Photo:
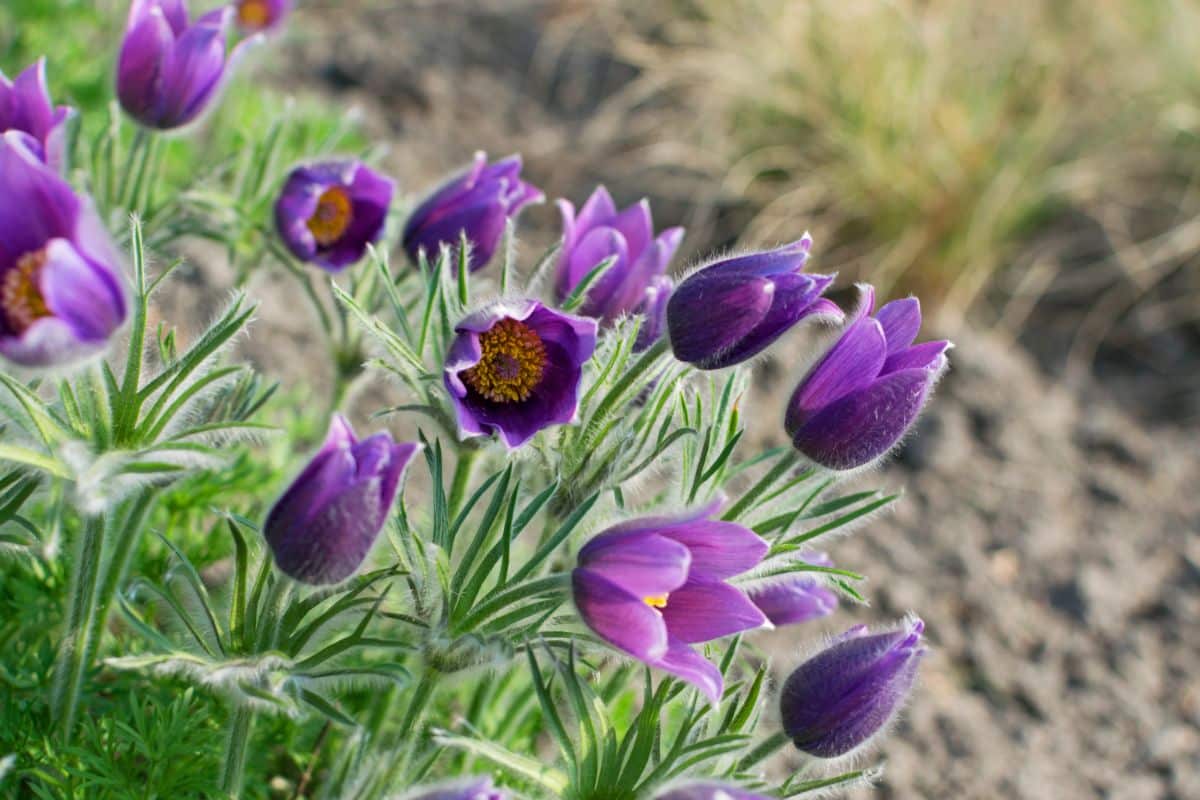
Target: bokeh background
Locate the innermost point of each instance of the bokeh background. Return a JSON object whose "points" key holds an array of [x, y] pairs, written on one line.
{"points": [[1028, 168]]}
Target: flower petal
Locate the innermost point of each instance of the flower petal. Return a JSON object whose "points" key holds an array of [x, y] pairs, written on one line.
{"points": [[901, 321], [851, 364], [719, 549], [684, 662], [619, 618], [644, 564], [701, 611]]}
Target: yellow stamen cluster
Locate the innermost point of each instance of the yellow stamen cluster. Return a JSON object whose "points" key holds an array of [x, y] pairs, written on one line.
{"points": [[656, 600], [333, 216], [21, 300], [512, 363], [254, 14]]}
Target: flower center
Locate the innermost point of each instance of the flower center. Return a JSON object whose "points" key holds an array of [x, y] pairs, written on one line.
{"points": [[333, 216], [21, 301], [656, 600], [254, 14], [512, 363]]}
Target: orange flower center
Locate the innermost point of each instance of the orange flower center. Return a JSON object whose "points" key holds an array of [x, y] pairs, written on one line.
{"points": [[512, 363], [656, 600], [254, 14], [21, 300], [333, 216]]}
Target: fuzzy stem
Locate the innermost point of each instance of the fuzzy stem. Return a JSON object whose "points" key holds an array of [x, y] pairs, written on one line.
{"points": [[463, 470], [75, 649], [116, 565], [233, 771]]}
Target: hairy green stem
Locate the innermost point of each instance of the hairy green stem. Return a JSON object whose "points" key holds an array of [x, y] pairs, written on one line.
{"points": [[463, 470], [75, 649], [233, 769]]}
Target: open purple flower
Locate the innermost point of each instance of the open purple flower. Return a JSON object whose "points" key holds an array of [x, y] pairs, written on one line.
{"points": [[653, 587], [514, 369], [840, 698], [865, 393], [479, 203], [329, 212], [709, 791], [471, 789], [170, 68], [323, 526], [25, 106], [797, 597], [255, 16], [600, 232], [61, 293], [735, 308]]}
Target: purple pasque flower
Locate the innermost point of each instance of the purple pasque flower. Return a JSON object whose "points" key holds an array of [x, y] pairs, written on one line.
{"points": [[321, 529], [256, 16], [865, 393], [840, 698], [653, 587], [478, 202], [796, 597], [653, 311], [600, 232], [327, 213], [734, 308], [170, 68], [470, 789], [25, 106], [61, 293], [514, 369], [709, 791]]}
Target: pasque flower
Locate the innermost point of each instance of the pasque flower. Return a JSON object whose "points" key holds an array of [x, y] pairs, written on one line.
{"points": [[254, 16], [329, 212], [734, 308], [653, 587], [861, 397], [479, 203], [709, 791], [323, 526], [840, 698], [170, 68], [471, 789], [61, 294], [514, 369], [601, 232], [25, 106], [797, 597]]}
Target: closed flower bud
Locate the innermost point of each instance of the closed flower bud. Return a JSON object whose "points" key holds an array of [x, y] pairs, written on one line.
{"points": [[734, 308], [61, 293], [600, 232], [865, 393], [471, 789], [323, 526], [329, 212], [477, 203], [708, 791], [170, 68], [514, 369], [842, 697], [797, 597], [254, 16], [25, 106], [653, 587]]}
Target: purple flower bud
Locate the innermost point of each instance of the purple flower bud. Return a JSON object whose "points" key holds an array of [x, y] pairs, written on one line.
{"points": [[329, 212], [600, 232], [709, 791], [653, 310], [865, 393], [25, 106], [323, 526], [170, 68], [61, 293], [797, 597], [653, 587], [839, 699], [478, 202], [256, 16], [735, 308], [514, 369], [471, 789]]}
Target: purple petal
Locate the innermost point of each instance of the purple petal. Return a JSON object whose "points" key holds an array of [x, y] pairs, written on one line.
{"points": [[470, 789], [684, 662], [709, 791], [87, 297], [36, 205], [901, 321], [719, 549], [784, 260], [850, 365], [793, 600], [193, 69], [643, 564], [927, 355], [140, 68], [636, 225], [795, 299], [598, 210], [592, 248], [701, 611], [619, 618], [708, 316]]}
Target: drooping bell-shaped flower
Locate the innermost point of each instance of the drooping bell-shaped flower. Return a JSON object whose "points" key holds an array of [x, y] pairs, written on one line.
{"points": [[734, 308], [478, 202], [515, 368], [170, 67], [470, 789], [708, 791], [257, 16], [323, 526], [840, 698], [654, 587], [600, 232], [25, 106], [796, 597], [61, 292], [861, 397], [329, 212]]}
